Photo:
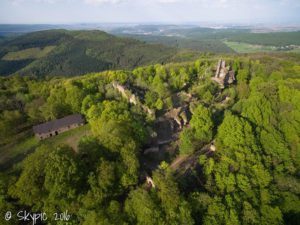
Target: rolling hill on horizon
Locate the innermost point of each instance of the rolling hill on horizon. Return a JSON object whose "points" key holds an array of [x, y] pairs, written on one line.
{"points": [[216, 40], [62, 52]]}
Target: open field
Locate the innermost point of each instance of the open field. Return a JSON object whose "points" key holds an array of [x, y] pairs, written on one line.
{"points": [[248, 48], [71, 137], [296, 50], [241, 47], [15, 153]]}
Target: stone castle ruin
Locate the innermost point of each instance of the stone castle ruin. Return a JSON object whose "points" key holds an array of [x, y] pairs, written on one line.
{"points": [[132, 98], [224, 75], [178, 115]]}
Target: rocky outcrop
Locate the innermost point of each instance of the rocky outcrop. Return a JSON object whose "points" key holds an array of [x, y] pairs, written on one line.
{"points": [[224, 75], [150, 182], [132, 98], [178, 115]]}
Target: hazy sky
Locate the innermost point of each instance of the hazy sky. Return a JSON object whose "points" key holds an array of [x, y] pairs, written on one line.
{"points": [[174, 11]]}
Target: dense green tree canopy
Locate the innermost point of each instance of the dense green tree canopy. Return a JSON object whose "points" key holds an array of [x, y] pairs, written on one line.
{"points": [[235, 159]]}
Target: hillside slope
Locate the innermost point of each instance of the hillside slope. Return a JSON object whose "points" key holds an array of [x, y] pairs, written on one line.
{"points": [[61, 52], [161, 140]]}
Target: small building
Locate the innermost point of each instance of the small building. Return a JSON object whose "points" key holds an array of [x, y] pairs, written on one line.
{"points": [[55, 127]]}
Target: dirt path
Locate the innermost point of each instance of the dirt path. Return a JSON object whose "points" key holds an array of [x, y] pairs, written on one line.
{"points": [[177, 162], [185, 162]]}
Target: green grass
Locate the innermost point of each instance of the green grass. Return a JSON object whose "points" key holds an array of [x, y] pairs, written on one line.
{"points": [[12, 154], [70, 137], [248, 48], [29, 53], [296, 50], [241, 47]]}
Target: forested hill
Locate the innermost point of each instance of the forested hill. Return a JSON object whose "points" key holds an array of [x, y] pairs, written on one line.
{"points": [[217, 155], [62, 52]]}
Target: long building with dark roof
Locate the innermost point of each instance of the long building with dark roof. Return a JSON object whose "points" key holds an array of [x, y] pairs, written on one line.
{"points": [[55, 127]]}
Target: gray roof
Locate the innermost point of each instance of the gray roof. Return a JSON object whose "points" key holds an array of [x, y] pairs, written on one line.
{"points": [[57, 124]]}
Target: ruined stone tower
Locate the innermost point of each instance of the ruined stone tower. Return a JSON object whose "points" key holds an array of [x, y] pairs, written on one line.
{"points": [[224, 75]]}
